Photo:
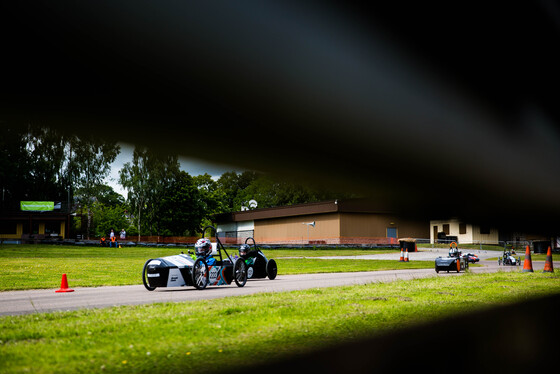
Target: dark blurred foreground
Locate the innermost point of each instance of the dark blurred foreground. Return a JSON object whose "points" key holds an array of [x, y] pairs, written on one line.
{"points": [[437, 110], [518, 338]]}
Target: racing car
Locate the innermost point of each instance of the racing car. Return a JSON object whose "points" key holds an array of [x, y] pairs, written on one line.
{"points": [[471, 257], [508, 259], [454, 262], [258, 266], [209, 265]]}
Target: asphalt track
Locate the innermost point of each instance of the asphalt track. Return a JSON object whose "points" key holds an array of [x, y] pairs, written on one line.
{"points": [[41, 301]]}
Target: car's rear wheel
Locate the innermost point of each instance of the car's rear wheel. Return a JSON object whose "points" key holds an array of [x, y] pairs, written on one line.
{"points": [[437, 269], [144, 280], [271, 269], [240, 273], [200, 274]]}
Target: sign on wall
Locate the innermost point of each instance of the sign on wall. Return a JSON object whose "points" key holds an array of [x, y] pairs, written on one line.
{"points": [[37, 206]]}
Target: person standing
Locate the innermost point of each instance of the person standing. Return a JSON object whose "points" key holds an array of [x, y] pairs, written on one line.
{"points": [[112, 239], [123, 234]]}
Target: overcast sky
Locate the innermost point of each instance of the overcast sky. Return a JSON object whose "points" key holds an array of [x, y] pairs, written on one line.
{"points": [[191, 166]]}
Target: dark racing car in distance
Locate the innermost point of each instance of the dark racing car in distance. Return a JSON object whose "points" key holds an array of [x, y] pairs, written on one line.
{"points": [[210, 265], [471, 257], [258, 266]]}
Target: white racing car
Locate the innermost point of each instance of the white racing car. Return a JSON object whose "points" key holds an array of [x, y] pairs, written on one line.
{"points": [[210, 265]]}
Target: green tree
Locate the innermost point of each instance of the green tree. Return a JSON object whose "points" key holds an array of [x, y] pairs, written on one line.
{"points": [[146, 180], [213, 199], [109, 217], [41, 163], [88, 163], [14, 165], [181, 209], [232, 186], [269, 191]]}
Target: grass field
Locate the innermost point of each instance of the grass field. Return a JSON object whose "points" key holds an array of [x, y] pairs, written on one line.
{"points": [[211, 335], [41, 266]]}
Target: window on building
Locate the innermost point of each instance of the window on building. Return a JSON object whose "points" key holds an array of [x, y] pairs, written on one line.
{"points": [[462, 228], [392, 232], [446, 228], [52, 228], [8, 228]]}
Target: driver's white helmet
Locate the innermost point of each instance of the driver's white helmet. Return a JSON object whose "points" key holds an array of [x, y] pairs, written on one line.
{"points": [[453, 252], [203, 247]]}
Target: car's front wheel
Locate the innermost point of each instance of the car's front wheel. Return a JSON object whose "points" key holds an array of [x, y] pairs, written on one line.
{"points": [[144, 280], [240, 273], [200, 274]]}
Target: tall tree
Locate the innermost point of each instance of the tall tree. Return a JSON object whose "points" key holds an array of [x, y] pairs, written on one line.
{"points": [[232, 185], [14, 165], [88, 163], [213, 199], [146, 179], [181, 209], [45, 164], [270, 191]]}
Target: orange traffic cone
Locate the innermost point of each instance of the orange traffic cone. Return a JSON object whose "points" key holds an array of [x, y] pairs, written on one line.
{"points": [[548, 268], [401, 259], [415, 247], [64, 285], [406, 256], [528, 264]]}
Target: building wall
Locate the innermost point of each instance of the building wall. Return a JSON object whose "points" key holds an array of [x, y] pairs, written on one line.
{"points": [[15, 229], [472, 234], [491, 238], [366, 225], [376, 225], [294, 229], [330, 228]]}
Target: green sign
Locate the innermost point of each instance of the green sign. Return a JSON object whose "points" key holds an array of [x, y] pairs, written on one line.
{"points": [[37, 206]]}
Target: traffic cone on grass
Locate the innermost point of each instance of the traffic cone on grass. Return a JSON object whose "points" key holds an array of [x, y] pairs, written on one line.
{"points": [[548, 268], [64, 285], [401, 259], [406, 256], [528, 264]]}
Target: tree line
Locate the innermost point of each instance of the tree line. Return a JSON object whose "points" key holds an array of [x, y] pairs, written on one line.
{"points": [[39, 163]]}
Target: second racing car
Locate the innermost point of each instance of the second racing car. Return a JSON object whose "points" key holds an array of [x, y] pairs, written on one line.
{"points": [[258, 266]]}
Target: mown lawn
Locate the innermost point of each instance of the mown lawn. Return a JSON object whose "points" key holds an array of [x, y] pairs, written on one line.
{"points": [[213, 335], [41, 266]]}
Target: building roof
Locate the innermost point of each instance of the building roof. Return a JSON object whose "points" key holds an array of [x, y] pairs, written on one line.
{"points": [[330, 206]]}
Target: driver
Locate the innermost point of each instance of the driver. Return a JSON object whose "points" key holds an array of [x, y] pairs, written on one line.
{"points": [[203, 248], [453, 252], [243, 250]]}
